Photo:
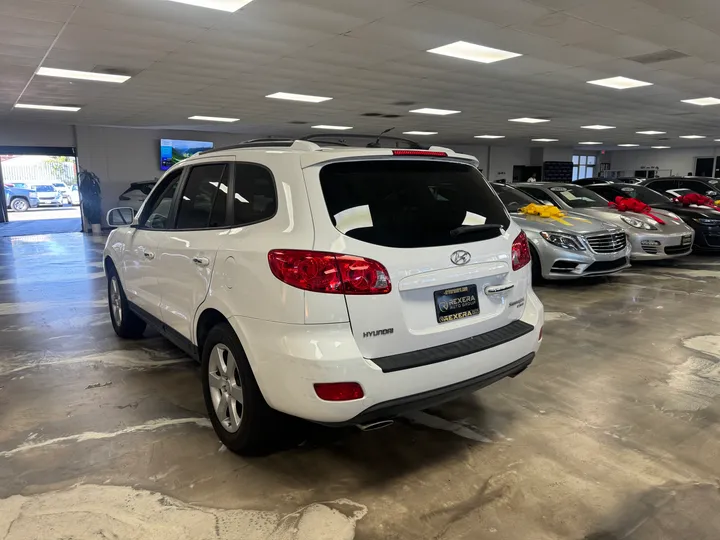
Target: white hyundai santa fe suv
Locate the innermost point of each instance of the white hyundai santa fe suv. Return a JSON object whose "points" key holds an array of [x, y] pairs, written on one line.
{"points": [[342, 285]]}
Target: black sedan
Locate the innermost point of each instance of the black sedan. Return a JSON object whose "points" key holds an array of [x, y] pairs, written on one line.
{"points": [[705, 221]]}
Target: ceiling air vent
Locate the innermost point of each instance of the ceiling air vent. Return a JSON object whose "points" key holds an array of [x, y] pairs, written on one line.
{"points": [[657, 57]]}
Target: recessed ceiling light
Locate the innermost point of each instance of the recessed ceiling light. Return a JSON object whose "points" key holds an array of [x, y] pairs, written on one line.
{"points": [[590, 142], [338, 128], [437, 112], [598, 126], [223, 5], [83, 75], [489, 136], [420, 132], [660, 147], [213, 119], [692, 136], [473, 52], [46, 107], [628, 145], [703, 102], [544, 140], [298, 97], [620, 83], [529, 120], [651, 132]]}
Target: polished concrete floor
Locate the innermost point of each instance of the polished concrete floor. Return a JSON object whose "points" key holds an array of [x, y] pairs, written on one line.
{"points": [[613, 433]]}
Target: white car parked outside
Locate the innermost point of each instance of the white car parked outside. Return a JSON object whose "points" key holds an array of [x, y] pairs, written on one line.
{"points": [[336, 284]]}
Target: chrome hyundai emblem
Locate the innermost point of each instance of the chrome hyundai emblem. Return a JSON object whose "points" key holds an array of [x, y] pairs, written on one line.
{"points": [[460, 257]]}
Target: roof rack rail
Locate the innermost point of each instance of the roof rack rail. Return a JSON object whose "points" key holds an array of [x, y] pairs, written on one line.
{"points": [[339, 140], [253, 143]]}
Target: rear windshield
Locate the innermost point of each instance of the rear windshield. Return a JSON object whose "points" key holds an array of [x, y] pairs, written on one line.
{"points": [[411, 203]]}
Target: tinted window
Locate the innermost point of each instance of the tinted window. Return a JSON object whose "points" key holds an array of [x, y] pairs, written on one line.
{"points": [[44, 189], [641, 193], [662, 185], [204, 198], [410, 204], [158, 211], [697, 187], [254, 198], [512, 198], [145, 188]]}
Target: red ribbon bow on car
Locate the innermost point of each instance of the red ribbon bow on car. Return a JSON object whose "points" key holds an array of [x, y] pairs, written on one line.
{"points": [[628, 204], [696, 198]]}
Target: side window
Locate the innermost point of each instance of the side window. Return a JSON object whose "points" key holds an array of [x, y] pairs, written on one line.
{"points": [[204, 199], [254, 197], [158, 210]]}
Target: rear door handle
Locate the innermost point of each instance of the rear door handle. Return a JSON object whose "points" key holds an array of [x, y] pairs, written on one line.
{"points": [[201, 261], [498, 289], [149, 255]]}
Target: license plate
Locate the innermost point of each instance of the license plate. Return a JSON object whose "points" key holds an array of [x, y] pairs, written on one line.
{"points": [[456, 303], [686, 240]]}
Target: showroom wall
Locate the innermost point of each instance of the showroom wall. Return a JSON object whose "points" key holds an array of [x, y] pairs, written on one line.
{"points": [[680, 160]]}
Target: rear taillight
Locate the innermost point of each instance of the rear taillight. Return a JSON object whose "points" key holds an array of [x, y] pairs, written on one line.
{"points": [[520, 252], [344, 391], [419, 153], [318, 271]]}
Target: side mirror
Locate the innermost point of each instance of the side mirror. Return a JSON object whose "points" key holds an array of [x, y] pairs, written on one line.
{"points": [[119, 217]]}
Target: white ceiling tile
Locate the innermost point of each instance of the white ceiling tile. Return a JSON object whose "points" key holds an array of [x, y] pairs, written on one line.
{"points": [[563, 28]]}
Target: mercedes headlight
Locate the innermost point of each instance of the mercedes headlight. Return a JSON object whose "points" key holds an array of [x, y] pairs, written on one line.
{"points": [[708, 222], [565, 241], [638, 224]]}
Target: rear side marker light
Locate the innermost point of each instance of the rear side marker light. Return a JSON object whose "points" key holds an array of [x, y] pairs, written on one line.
{"points": [[344, 391], [419, 153], [520, 252], [332, 273]]}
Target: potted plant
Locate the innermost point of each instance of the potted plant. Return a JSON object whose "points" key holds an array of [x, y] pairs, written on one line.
{"points": [[89, 186]]}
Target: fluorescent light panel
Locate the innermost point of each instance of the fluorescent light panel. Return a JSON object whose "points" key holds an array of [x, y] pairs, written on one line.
{"points": [[529, 120], [213, 119], [590, 142], [598, 126], [298, 97], [628, 145], [420, 132], [338, 128], [651, 132], [660, 147], [46, 107], [473, 52], [489, 136], [82, 75], [436, 112], [703, 102], [230, 6], [544, 140], [620, 83], [692, 136]]}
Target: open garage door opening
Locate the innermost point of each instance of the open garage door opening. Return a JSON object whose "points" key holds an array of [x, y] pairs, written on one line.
{"points": [[40, 194]]}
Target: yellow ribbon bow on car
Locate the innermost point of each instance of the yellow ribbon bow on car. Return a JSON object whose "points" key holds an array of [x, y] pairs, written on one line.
{"points": [[549, 211]]}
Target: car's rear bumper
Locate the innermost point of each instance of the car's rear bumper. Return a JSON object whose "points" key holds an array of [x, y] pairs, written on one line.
{"points": [[288, 359]]}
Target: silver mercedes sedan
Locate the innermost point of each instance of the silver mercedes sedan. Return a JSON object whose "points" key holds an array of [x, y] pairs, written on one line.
{"points": [[569, 246], [649, 239]]}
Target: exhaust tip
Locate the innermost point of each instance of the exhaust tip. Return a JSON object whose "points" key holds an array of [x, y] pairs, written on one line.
{"points": [[374, 426]]}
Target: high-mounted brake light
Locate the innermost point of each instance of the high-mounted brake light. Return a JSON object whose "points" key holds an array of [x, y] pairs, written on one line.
{"points": [[333, 273], [419, 153], [520, 252]]}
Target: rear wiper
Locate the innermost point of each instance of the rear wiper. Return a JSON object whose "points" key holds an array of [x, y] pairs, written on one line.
{"points": [[465, 229]]}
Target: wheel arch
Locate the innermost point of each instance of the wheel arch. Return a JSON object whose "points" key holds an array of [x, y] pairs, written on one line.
{"points": [[209, 318]]}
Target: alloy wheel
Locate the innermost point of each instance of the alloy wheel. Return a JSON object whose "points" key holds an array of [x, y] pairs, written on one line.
{"points": [[19, 205], [225, 387], [116, 301]]}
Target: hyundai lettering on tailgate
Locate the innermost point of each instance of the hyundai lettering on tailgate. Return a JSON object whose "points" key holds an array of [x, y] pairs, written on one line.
{"points": [[457, 303]]}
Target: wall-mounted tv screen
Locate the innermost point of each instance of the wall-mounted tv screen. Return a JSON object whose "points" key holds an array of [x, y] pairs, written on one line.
{"points": [[173, 151]]}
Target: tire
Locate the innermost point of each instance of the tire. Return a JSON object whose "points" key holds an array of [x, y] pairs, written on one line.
{"points": [[242, 419], [126, 324], [19, 204]]}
